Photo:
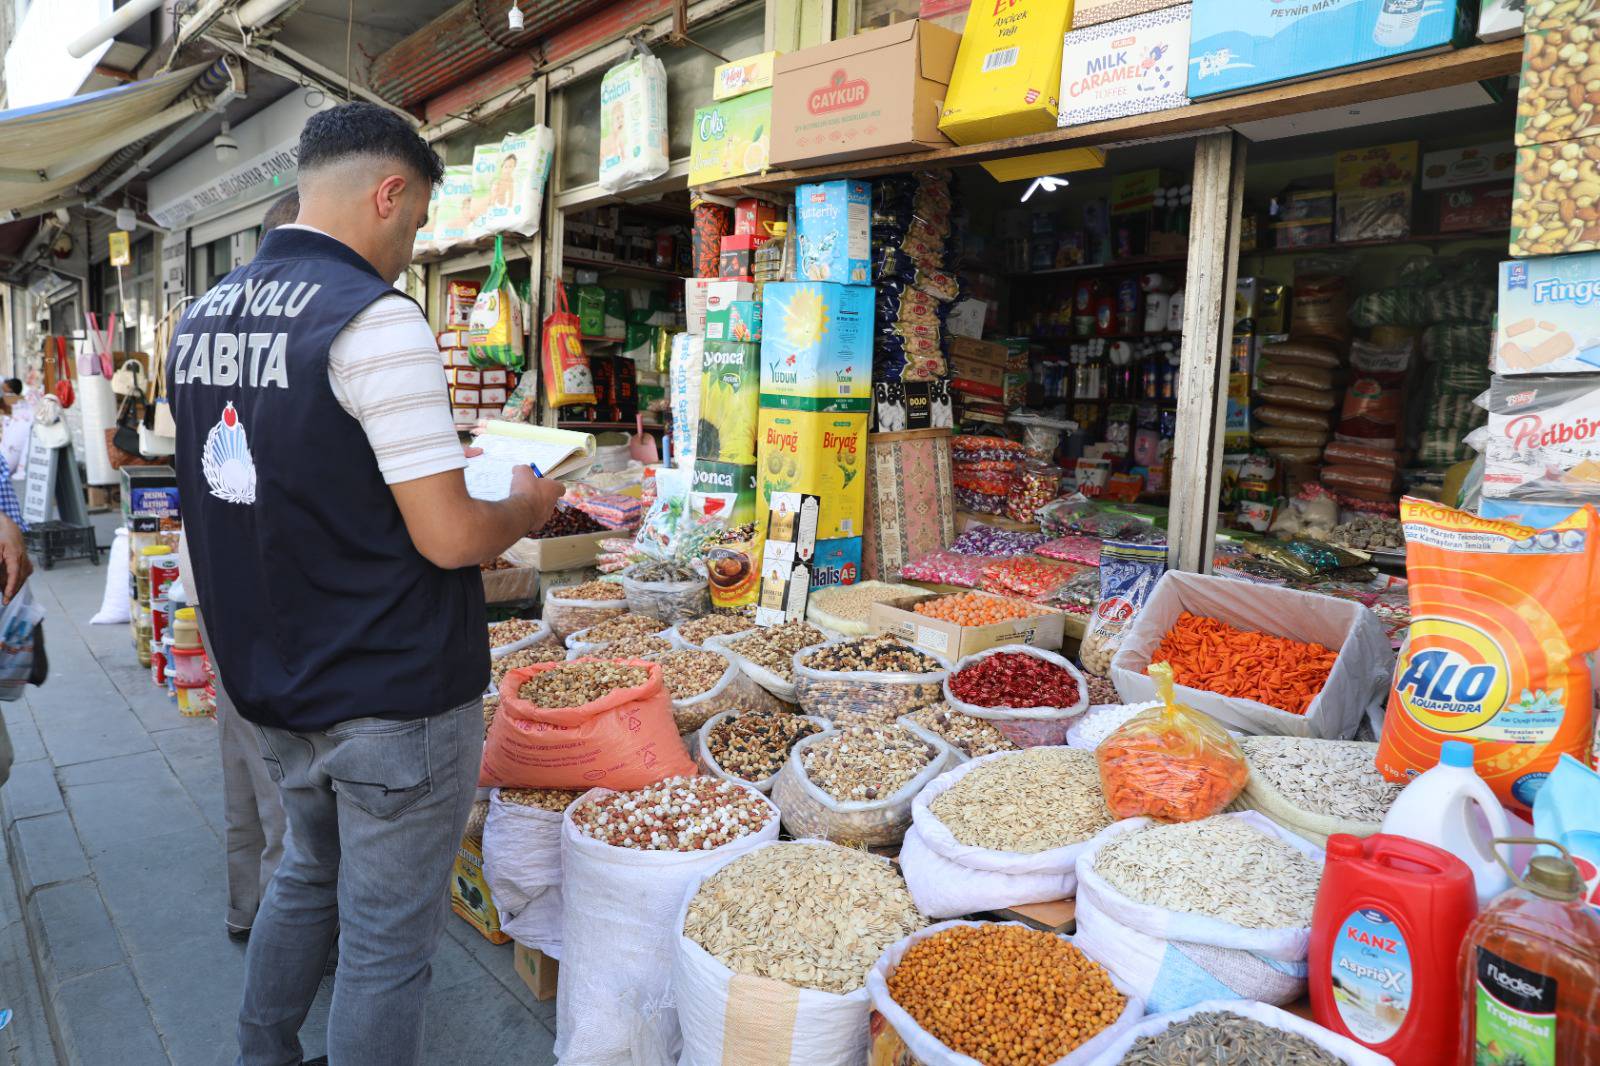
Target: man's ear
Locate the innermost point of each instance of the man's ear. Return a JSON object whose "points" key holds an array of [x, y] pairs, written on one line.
{"points": [[387, 198]]}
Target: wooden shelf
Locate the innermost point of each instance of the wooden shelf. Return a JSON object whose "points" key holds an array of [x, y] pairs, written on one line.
{"points": [[610, 266], [1419, 239], [1344, 88], [1138, 262]]}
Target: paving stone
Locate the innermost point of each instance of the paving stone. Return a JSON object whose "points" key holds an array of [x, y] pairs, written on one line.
{"points": [[25, 743], [119, 768], [109, 729], [112, 812], [484, 1025], [48, 850], [166, 889], [31, 790], [104, 1020], [193, 989], [77, 937]]}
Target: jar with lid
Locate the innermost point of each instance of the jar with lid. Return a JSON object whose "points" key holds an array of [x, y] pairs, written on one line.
{"points": [[141, 571], [142, 632]]}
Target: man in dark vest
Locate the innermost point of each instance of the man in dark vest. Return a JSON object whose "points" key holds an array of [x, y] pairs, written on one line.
{"points": [[331, 530]]}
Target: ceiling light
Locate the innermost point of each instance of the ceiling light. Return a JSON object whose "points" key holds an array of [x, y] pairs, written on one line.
{"points": [[224, 144], [127, 219], [1048, 183], [514, 19]]}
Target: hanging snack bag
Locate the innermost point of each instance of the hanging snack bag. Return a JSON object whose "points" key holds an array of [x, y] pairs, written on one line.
{"points": [[494, 331], [633, 123], [1172, 762], [1502, 618], [567, 377], [1128, 574]]}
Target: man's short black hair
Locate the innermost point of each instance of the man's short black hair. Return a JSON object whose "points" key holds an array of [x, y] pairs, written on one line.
{"points": [[15, 385], [357, 129], [281, 212]]}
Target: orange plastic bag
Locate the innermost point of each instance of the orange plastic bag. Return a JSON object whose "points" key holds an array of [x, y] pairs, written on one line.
{"points": [[624, 740], [1502, 616], [1170, 762]]}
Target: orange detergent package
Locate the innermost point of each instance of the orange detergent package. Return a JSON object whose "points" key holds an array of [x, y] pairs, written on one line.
{"points": [[1502, 616]]}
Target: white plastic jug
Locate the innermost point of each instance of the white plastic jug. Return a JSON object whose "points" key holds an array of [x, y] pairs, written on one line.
{"points": [[1448, 806]]}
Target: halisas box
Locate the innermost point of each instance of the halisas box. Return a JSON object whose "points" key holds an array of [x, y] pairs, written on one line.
{"points": [[730, 138], [818, 453], [1007, 71], [1126, 67], [873, 94], [1239, 44], [833, 220], [1549, 316], [816, 346]]}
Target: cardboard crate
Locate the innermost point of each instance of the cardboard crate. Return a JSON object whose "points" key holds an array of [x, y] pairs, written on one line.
{"points": [[538, 971], [469, 893], [551, 554], [896, 617]]}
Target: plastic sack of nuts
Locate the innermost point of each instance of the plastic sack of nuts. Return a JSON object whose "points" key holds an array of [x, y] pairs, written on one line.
{"points": [[515, 634], [695, 632], [618, 938], [767, 654], [589, 720], [1008, 836], [947, 568], [750, 747], [1128, 574], [683, 674], [593, 640], [902, 1039], [522, 864], [871, 679], [1194, 945], [671, 591], [651, 646], [995, 685], [569, 608], [886, 765]]}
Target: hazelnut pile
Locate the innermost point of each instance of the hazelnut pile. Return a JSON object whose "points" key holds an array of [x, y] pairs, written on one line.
{"points": [[866, 762], [773, 648], [546, 799], [511, 630], [698, 630], [637, 647], [677, 814], [690, 673], [591, 590], [545, 651]]}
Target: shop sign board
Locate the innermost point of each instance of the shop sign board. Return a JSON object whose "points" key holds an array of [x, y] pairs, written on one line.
{"points": [[175, 262], [1240, 44], [1127, 67], [873, 94], [742, 76], [117, 245]]}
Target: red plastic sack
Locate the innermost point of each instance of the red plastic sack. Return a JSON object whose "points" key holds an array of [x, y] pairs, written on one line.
{"points": [[1349, 452], [1370, 480], [624, 740]]}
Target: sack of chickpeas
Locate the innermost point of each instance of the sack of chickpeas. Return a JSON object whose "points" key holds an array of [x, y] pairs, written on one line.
{"points": [[1048, 997], [627, 858], [522, 863]]}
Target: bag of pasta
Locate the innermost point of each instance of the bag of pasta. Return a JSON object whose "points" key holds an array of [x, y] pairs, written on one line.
{"points": [[1171, 762]]}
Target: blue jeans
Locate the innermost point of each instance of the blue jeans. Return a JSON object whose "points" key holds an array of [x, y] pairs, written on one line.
{"points": [[376, 810]]}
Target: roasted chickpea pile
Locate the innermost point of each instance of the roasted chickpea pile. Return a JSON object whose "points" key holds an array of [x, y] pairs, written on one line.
{"points": [[1004, 994]]}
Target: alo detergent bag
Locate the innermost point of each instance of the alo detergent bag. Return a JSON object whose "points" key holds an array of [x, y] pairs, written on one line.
{"points": [[1501, 618]]}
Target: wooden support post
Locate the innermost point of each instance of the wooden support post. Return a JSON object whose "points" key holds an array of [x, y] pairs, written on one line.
{"points": [[1207, 339]]}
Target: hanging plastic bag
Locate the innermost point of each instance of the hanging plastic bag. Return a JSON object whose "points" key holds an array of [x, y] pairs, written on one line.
{"points": [[517, 193], [494, 331], [1173, 763], [633, 123], [1128, 574], [567, 378], [18, 622]]}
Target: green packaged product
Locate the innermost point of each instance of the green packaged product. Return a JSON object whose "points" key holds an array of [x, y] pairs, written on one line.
{"points": [[730, 381]]}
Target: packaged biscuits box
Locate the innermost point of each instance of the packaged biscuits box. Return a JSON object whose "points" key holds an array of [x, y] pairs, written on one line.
{"points": [[1543, 439], [1549, 316]]}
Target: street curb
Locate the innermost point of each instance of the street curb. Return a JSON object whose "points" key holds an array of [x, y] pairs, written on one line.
{"points": [[66, 1052]]}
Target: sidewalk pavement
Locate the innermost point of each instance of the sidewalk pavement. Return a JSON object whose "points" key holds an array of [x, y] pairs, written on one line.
{"points": [[112, 938]]}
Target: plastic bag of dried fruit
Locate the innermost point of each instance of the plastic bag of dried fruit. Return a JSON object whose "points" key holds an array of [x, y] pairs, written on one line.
{"points": [[1172, 762], [909, 678], [625, 739], [707, 759], [567, 613], [522, 867], [881, 822], [661, 590], [734, 690], [1043, 723]]}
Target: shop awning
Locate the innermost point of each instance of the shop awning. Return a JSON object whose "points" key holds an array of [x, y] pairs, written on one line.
{"points": [[50, 147]]}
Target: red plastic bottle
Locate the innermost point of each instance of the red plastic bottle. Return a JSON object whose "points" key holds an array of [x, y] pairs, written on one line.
{"points": [[1385, 943]]}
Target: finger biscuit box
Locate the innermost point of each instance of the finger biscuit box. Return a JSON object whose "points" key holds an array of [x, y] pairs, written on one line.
{"points": [[1549, 316]]}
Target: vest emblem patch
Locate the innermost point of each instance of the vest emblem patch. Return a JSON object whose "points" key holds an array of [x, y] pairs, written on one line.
{"points": [[226, 460]]}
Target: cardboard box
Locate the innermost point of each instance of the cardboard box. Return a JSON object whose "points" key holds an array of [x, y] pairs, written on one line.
{"points": [[1063, 161], [737, 320], [978, 351], [462, 375], [150, 491], [874, 94], [492, 397], [469, 892], [1545, 110], [1382, 166], [1094, 12], [1549, 316], [460, 397], [1240, 44], [738, 255], [1127, 67], [1373, 215], [1477, 207], [730, 372], [694, 304], [538, 971], [1007, 71], [457, 357], [794, 561], [552, 554], [703, 295], [743, 76], [820, 454], [723, 490], [834, 231], [977, 378], [1477, 165], [495, 376], [899, 619], [1552, 209], [1500, 19], [898, 406], [730, 138], [816, 347], [752, 215]]}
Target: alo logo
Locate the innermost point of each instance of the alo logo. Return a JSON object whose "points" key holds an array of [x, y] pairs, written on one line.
{"points": [[1451, 677], [839, 94], [712, 125]]}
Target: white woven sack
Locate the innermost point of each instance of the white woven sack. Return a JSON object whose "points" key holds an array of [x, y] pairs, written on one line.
{"points": [[614, 1002], [1347, 1050], [756, 1021], [1024, 726], [522, 867], [928, 1049], [948, 878]]}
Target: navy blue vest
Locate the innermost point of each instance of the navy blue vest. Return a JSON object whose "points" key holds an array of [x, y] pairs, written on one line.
{"points": [[318, 605]]}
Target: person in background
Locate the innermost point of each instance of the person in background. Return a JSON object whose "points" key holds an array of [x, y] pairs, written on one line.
{"points": [[11, 389], [330, 526], [252, 810]]}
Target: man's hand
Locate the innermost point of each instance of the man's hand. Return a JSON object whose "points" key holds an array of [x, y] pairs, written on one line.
{"points": [[540, 494], [14, 561]]}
